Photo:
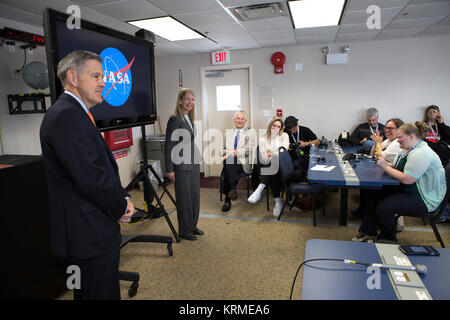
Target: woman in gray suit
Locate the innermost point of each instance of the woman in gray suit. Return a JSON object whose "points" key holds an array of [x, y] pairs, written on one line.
{"points": [[183, 164]]}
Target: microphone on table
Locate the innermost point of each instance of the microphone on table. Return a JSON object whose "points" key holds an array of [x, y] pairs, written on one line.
{"points": [[419, 268]]}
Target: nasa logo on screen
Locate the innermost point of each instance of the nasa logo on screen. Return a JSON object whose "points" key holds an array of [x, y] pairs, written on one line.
{"points": [[117, 77]]}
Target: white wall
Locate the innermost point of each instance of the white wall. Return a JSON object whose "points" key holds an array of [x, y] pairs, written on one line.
{"points": [[398, 77]]}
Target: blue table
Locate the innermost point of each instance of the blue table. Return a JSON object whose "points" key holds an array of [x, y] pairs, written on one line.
{"points": [[330, 280], [368, 173]]}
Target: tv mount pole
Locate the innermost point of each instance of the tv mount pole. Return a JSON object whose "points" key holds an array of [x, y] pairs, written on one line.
{"points": [[149, 191]]}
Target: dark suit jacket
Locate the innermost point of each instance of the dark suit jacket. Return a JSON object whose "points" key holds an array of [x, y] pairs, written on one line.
{"points": [[85, 194], [184, 143], [363, 131]]}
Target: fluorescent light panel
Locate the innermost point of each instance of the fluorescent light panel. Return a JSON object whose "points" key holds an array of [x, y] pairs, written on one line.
{"points": [[167, 28], [316, 13]]}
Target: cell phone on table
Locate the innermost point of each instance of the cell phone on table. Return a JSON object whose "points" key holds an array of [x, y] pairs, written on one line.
{"points": [[419, 250]]}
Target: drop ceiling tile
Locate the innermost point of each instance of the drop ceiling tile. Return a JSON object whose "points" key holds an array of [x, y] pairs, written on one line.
{"points": [[426, 11], [412, 23], [444, 22], [242, 41], [124, 27], [96, 17], [319, 31], [358, 28], [413, 2], [278, 42], [354, 37], [362, 5], [227, 31], [396, 34], [436, 31], [37, 7], [273, 35], [34, 20], [199, 45], [358, 17], [277, 23], [242, 3], [174, 7], [129, 10], [172, 48], [87, 3], [205, 19], [11, 13], [308, 40]]}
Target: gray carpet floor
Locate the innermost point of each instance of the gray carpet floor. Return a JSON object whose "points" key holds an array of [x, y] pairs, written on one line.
{"points": [[245, 253]]}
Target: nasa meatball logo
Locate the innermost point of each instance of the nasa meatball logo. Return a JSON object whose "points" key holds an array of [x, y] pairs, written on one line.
{"points": [[117, 77]]}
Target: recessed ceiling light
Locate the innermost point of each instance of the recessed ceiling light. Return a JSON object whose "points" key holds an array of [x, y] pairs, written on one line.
{"points": [[316, 13], [167, 28]]}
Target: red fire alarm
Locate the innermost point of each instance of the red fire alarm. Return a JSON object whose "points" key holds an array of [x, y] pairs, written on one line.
{"points": [[279, 112], [119, 139], [278, 60]]}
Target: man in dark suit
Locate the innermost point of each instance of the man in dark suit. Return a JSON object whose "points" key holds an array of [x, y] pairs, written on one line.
{"points": [[85, 194]]}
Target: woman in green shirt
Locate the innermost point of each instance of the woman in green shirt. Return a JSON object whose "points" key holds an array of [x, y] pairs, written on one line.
{"points": [[422, 184]]}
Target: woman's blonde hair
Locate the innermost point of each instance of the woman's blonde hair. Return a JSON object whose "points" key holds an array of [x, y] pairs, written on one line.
{"points": [[418, 128], [179, 110], [269, 133]]}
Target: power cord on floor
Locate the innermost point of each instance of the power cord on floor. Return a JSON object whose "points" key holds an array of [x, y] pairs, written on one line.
{"points": [[323, 259]]}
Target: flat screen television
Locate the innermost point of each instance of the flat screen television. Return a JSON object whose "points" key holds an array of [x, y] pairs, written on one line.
{"points": [[128, 64]]}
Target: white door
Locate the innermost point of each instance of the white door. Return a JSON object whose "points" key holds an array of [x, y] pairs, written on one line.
{"points": [[225, 91]]}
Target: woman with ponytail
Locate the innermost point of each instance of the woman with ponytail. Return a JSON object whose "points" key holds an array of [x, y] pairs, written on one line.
{"points": [[422, 185]]}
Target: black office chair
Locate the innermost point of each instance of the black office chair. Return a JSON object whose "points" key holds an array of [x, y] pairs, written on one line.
{"points": [[149, 196], [286, 169], [435, 216]]}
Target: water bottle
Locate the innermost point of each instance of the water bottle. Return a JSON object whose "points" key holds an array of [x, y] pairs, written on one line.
{"points": [[313, 153], [314, 149]]}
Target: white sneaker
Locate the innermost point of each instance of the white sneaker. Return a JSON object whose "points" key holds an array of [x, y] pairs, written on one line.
{"points": [[400, 224], [255, 196], [277, 208]]}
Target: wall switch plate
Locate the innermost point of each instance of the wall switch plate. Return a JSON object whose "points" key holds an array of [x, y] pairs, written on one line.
{"points": [[298, 67]]}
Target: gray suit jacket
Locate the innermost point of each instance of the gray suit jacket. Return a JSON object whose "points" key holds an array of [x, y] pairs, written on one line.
{"points": [[244, 147], [181, 152]]}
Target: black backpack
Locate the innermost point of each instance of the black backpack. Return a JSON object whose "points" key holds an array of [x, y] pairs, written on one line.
{"points": [[442, 150], [344, 142]]}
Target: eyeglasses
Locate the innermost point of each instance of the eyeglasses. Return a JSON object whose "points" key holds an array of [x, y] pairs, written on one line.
{"points": [[389, 128]]}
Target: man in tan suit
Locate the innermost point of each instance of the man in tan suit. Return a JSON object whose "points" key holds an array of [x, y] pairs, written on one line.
{"points": [[237, 158]]}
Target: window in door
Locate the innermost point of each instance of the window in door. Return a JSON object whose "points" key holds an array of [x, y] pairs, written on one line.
{"points": [[228, 98]]}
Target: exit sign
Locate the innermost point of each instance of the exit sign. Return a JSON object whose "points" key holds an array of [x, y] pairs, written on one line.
{"points": [[221, 57]]}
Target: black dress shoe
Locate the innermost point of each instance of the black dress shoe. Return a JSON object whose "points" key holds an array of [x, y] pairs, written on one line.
{"points": [[199, 232], [226, 206], [188, 237]]}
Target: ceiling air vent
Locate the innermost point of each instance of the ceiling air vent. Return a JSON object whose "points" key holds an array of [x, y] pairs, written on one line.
{"points": [[258, 11]]}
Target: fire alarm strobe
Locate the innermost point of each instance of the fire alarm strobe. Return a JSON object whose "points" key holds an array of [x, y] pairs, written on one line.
{"points": [[278, 60]]}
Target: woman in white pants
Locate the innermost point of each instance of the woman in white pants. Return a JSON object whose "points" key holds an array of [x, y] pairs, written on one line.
{"points": [[269, 145]]}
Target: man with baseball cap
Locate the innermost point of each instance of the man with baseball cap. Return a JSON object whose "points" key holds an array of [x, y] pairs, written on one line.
{"points": [[300, 140]]}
